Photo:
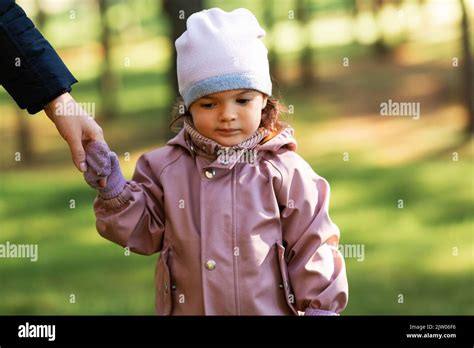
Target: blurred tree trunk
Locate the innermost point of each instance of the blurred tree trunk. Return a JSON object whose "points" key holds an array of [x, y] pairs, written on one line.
{"points": [[24, 144], [355, 9], [40, 19], [467, 71], [307, 65], [177, 11], [107, 79], [380, 47], [269, 20]]}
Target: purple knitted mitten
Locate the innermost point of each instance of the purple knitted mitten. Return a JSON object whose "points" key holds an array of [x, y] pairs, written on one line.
{"points": [[314, 311], [101, 163]]}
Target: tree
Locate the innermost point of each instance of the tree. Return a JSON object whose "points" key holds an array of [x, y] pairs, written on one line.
{"points": [[178, 12], [306, 60], [269, 20], [24, 137], [107, 80], [380, 47], [467, 71]]}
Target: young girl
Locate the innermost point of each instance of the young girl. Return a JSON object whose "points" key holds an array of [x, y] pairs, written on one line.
{"points": [[240, 220]]}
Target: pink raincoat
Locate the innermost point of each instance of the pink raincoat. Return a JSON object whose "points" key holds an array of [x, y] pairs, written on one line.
{"points": [[237, 237]]}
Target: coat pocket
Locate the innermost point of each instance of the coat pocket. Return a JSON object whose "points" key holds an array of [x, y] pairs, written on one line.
{"points": [[286, 285], [163, 284]]}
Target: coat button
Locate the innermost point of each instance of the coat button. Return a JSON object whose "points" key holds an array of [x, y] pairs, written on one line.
{"points": [[210, 173], [210, 265]]}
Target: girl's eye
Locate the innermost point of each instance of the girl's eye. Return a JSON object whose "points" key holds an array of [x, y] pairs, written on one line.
{"points": [[207, 105], [243, 101]]}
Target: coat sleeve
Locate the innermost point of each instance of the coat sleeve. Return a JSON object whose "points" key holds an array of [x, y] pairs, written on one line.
{"points": [[135, 218], [316, 268], [30, 69]]}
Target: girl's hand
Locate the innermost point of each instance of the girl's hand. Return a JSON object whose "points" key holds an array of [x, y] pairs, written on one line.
{"points": [[103, 164]]}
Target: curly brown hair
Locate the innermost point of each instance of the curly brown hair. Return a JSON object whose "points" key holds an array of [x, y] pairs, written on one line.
{"points": [[271, 115]]}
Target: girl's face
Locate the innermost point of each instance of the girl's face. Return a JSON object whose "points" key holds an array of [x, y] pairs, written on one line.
{"points": [[228, 117]]}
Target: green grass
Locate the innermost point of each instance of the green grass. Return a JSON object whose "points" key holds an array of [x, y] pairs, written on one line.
{"points": [[408, 251], [72, 257]]}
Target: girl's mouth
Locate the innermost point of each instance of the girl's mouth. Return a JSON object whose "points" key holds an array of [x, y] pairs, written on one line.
{"points": [[228, 131]]}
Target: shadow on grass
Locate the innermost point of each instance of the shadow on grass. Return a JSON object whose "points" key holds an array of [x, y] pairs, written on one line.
{"points": [[377, 292], [436, 203], [102, 279]]}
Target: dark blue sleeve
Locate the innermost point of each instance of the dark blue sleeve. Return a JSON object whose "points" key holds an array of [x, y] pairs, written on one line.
{"points": [[30, 69]]}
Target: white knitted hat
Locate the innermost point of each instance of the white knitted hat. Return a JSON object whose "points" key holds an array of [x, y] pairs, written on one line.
{"points": [[221, 51]]}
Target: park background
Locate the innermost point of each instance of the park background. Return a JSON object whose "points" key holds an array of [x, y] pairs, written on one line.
{"points": [[401, 187]]}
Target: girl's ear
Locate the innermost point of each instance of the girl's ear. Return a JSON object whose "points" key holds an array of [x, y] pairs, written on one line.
{"points": [[264, 101]]}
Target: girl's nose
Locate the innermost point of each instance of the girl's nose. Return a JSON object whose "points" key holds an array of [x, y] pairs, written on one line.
{"points": [[227, 114]]}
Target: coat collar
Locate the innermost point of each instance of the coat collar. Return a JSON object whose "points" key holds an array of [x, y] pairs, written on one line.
{"points": [[226, 157]]}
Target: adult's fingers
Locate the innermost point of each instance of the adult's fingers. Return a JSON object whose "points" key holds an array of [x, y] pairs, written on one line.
{"points": [[91, 130], [103, 183], [78, 153]]}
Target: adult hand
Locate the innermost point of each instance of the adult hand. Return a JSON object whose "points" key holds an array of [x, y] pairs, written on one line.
{"points": [[76, 126]]}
